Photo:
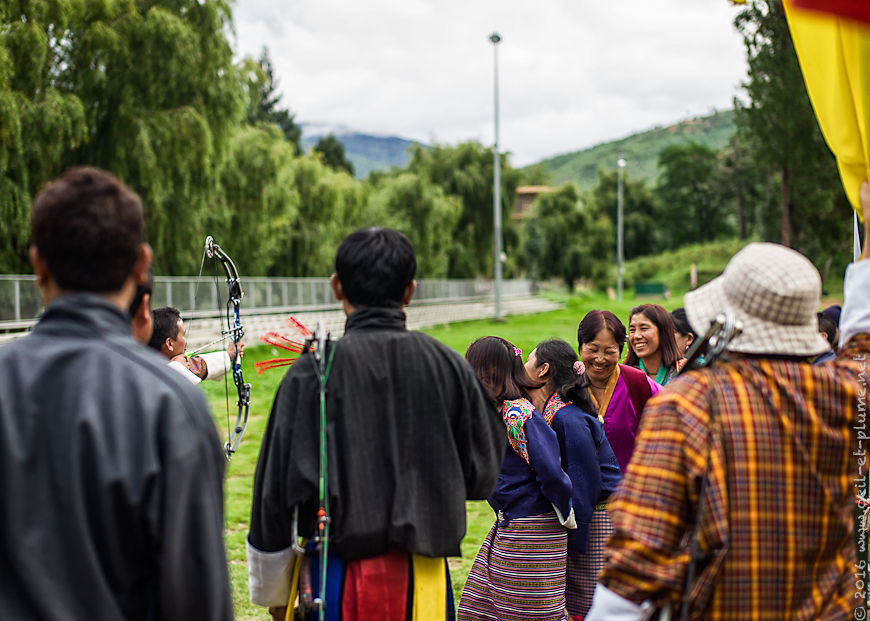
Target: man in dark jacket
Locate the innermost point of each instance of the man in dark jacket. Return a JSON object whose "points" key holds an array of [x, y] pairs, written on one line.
{"points": [[410, 436], [110, 465]]}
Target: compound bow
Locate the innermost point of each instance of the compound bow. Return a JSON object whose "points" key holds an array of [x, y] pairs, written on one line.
{"points": [[235, 331]]}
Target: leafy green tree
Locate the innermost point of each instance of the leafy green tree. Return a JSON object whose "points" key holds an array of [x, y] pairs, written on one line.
{"points": [[330, 204], [263, 100], [565, 240], [692, 210], [332, 151], [536, 175], [466, 171], [739, 183], [40, 121], [801, 201], [533, 248], [162, 101], [643, 228], [256, 201], [144, 89], [421, 210]]}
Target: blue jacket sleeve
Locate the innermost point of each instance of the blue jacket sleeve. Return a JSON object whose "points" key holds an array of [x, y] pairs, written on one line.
{"points": [[544, 458]]}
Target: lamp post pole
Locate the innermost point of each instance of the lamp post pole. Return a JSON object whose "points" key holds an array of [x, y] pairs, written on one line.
{"points": [[495, 38], [620, 259]]}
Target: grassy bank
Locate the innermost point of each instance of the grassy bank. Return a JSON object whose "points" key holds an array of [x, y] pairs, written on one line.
{"points": [[524, 331], [674, 266]]}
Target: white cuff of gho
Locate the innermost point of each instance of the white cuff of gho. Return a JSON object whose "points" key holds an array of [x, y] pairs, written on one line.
{"points": [[569, 522], [608, 606], [269, 575], [855, 316], [217, 364]]}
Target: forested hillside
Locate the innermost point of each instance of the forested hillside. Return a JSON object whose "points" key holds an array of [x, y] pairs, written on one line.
{"points": [[640, 150]]}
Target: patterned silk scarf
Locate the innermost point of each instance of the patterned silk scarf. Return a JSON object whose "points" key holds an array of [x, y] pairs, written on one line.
{"points": [[515, 413], [554, 404]]}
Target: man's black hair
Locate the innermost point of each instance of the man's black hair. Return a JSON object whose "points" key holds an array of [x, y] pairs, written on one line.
{"points": [[88, 228], [165, 326], [375, 267], [827, 325]]}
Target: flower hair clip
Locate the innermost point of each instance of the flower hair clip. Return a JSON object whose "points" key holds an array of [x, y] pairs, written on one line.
{"points": [[518, 352], [579, 368]]}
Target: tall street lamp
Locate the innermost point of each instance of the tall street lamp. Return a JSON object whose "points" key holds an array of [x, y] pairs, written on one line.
{"points": [[620, 259], [496, 184]]}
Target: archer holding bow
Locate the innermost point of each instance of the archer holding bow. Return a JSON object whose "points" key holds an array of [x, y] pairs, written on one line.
{"points": [[169, 338]]}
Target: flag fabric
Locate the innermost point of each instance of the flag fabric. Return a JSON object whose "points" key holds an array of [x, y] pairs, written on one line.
{"points": [[851, 9], [834, 55]]}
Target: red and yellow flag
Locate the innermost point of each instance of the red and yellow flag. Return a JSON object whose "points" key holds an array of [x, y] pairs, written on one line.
{"points": [[832, 39]]}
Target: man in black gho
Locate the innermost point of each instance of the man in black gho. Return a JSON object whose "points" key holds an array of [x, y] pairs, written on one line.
{"points": [[110, 465], [411, 436]]}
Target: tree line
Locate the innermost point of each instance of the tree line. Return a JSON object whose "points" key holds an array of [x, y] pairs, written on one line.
{"points": [[149, 90]]}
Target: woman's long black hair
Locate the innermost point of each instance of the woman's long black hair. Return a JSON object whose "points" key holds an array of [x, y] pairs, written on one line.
{"points": [[682, 325], [500, 369], [562, 375]]}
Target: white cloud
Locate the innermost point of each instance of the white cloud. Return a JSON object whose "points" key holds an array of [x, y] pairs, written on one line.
{"points": [[571, 74]]}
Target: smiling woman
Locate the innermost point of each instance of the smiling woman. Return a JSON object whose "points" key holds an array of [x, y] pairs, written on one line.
{"points": [[618, 391], [651, 344]]}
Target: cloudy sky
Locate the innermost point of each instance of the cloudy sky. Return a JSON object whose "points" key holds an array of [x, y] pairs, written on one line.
{"points": [[572, 73]]}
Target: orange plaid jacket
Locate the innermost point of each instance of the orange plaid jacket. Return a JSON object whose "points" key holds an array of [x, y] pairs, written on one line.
{"points": [[777, 522]]}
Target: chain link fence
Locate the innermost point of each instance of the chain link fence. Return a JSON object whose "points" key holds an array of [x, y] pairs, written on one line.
{"points": [[21, 304]]}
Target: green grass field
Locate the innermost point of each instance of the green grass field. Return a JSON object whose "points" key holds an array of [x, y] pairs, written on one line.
{"points": [[524, 331]]}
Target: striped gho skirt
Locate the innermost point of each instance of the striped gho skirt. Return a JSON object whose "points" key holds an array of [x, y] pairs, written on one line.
{"points": [[519, 573], [583, 569]]}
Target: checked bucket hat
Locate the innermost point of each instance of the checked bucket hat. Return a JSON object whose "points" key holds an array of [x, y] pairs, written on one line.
{"points": [[774, 292]]}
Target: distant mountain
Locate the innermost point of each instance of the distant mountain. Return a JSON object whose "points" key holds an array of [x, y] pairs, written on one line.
{"points": [[369, 152], [366, 152], [641, 151]]}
